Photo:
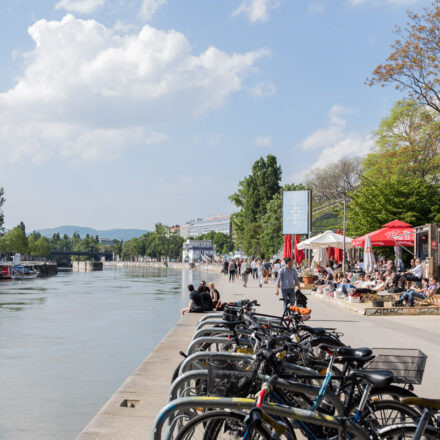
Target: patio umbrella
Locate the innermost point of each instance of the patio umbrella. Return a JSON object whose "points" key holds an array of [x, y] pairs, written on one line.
{"points": [[287, 249], [391, 234], [325, 240], [369, 260], [299, 255]]}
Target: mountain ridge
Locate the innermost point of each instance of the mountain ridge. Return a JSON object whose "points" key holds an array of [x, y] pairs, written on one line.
{"points": [[115, 234]]}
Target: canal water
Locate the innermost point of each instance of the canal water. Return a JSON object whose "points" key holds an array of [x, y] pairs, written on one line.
{"points": [[67, 343]]}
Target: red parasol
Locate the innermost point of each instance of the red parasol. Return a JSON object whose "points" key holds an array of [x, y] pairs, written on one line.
{"points": [[299, 255], [391, 234], [338, 252], [287, 249]]}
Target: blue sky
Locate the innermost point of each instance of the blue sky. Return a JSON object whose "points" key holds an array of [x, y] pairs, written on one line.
{"points": [[122, 113]]}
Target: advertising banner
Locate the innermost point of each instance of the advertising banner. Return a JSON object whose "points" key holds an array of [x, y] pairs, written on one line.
{"points": [[296, 212]]}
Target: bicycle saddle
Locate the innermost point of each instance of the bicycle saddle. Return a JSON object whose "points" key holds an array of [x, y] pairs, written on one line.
{"points": [[379, 378], [314, 330], [356, 352]]}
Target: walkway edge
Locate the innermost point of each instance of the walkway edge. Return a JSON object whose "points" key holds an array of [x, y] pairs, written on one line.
{"points": [[144, 392]]}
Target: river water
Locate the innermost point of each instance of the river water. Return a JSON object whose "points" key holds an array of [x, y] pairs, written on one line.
{"points": [[67, 343]]}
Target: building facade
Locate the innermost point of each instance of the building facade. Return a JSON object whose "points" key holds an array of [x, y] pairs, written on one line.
{"points": [[197, 250], [199, 226]]}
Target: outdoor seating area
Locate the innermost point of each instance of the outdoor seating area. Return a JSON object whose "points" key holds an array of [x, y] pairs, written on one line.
{"points": [[367, 276]]}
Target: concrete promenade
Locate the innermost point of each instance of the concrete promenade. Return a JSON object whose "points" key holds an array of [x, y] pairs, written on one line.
{"points": [[146, 389]]}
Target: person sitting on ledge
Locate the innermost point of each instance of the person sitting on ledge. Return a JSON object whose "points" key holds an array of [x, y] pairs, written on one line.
{"points": [[196, 303], [215, 295], [429, 288]]}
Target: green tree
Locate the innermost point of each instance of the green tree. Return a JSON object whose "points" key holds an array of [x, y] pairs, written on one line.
{"points": [[220, 240], [272, 236], [39, 247], [407, 143], [252, 197], [15, 241], [379, 201]]}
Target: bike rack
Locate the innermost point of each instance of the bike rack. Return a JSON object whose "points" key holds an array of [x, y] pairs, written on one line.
{"points": [[212, 340], [214, 356]]}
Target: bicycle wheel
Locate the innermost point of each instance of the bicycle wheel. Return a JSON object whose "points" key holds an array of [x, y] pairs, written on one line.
{"points": [[384, 413], [218, 425], [407, 433]]}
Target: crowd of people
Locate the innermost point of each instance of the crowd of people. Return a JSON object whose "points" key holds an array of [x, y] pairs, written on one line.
{"points": [[409, 283], [243, 268]]}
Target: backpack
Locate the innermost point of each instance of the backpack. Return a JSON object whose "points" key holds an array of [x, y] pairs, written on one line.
{"points": [[301, 299]]}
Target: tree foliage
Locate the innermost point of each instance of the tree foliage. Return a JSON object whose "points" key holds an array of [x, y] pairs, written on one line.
{"points": [[223, 242], [413, 65], [336, 181], [252, 197], [379, 201], [407, 143]]}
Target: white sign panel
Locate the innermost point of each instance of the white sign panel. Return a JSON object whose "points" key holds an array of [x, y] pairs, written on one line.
{"points": [[295, 212]]}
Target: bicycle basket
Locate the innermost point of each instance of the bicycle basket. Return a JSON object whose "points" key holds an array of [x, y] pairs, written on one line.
{"points": [[407, 364]]}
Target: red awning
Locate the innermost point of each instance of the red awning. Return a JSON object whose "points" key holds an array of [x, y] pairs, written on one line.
{"points": [[392, 234]]}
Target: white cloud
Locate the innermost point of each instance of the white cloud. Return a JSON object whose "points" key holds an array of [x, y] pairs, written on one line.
{"points": [[263, 141], [328, 135], [149, 7], [333, 143], [316, 8], [381, 2], [256, 10], [80, 6], [262, 89], [86, 90]]}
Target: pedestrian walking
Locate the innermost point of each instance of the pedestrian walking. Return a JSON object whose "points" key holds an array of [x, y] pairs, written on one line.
{"points": [[260, 273], [287, 280], [232, 270], [266, 271], [245, 272], [254, 269]]}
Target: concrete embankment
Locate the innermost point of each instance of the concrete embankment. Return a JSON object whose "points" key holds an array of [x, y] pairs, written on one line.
{"points": [[130, 412], [171, 265]]}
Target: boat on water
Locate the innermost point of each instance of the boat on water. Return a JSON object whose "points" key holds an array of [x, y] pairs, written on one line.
{"points": [[22, 273]]}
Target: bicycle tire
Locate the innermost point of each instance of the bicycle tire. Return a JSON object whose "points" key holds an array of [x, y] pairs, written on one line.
{"points": [[209, 426], [380, 414], [406, 432]]}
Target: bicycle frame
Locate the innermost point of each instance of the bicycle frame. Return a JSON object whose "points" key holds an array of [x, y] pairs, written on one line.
{"points": [[241, 404]]}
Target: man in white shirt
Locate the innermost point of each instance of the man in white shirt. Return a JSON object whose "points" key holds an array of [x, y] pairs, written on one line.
{"points": [[414, 274]]}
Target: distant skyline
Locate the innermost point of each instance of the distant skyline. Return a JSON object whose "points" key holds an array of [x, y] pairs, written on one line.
{"points": [[124, 113]]}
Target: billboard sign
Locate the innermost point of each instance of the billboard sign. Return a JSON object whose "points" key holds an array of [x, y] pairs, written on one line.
{"points": [[296, 212]]}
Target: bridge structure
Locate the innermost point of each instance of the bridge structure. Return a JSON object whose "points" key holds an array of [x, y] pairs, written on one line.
{"points": [[107, 255]]}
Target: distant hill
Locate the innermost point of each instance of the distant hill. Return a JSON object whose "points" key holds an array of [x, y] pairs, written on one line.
{"points": [[116, 234]]}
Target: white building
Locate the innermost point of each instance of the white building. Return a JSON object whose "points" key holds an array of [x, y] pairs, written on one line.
{"points": [[200, 226], [197, 250]]}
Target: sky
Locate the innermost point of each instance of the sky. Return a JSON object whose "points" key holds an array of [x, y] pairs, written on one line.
{"points": [[125, 113]]}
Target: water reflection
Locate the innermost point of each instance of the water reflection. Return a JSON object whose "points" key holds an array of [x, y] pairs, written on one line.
{"points": [[67, 342]]}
